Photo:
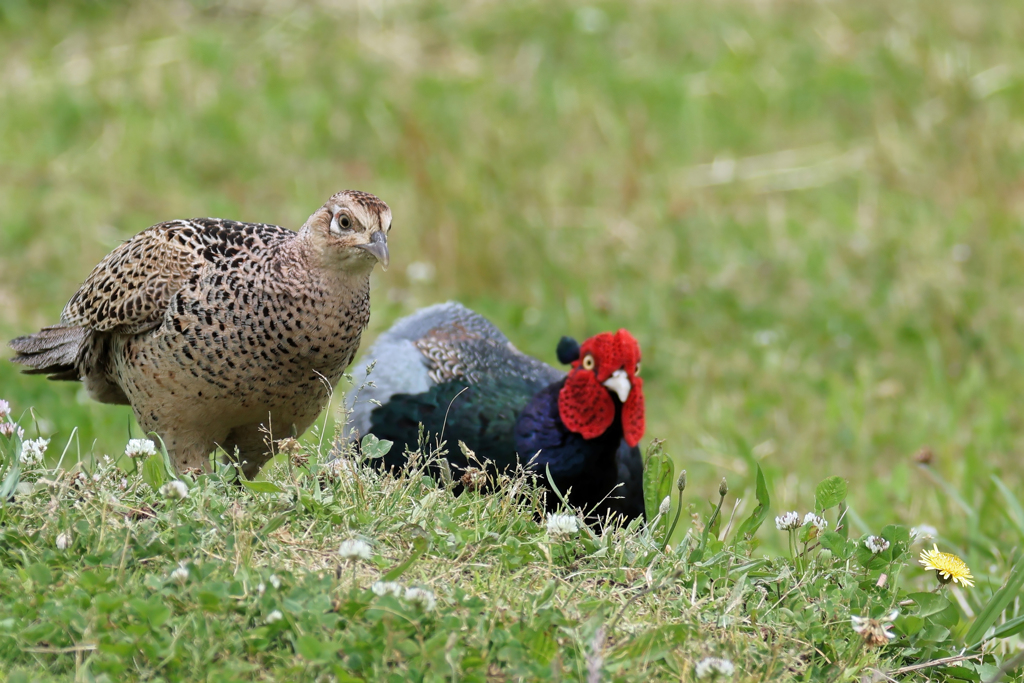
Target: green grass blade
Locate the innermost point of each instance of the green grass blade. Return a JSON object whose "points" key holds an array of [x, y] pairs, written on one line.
{"points": [[1002, 597]]}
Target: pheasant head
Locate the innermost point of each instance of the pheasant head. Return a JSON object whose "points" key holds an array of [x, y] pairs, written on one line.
{"points": [[350, 231], [604, 375]]}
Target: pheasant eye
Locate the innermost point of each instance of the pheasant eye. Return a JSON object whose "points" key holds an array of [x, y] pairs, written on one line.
{"points": [[637, 371], [344, 221], [588, 362]]}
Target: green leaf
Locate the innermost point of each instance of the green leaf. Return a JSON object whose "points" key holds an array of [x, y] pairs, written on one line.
{"points": [[154, 472], [261, 486], [372, 448], [840, 547], [999, 602], [752, 523], [658, 473], [1010, 628], [929, 603], [274, 524], [830, 492], [419, 546]]}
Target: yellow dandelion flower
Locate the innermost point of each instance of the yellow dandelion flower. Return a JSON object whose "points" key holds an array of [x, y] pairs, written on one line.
{"points": [[948, 567]]}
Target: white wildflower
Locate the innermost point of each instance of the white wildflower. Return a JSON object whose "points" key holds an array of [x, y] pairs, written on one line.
{"points": [[63, 540], [274, 581], [174, 490], [140, 448], [875, 632], [9, 429], [924, 532], [876, 544], [714, 667], [665, 507], [354, 549], [788, 521], [5, 409], [814, 520], [180, 575], [262, 588], [338, 469], [274, 616], [562, 525], [421, 597], [33, 450], [383, 588]]}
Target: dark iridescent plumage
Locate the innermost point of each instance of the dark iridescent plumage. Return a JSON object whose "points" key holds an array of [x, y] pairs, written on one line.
{"points": [[449, 369]]}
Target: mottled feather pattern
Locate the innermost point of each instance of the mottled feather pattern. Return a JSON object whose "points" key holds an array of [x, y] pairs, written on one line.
{"points": [[214, 329]]}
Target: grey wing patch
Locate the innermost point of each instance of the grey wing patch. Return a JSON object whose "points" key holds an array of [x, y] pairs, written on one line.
{"points": [[450, 315], [398, 368], [437, 344]]}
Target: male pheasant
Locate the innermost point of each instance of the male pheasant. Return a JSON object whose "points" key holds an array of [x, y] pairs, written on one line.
{"points": [[452, 371], [217, 332]]}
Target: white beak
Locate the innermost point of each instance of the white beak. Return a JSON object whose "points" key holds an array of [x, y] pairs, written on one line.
{"points": [[619, 383]]}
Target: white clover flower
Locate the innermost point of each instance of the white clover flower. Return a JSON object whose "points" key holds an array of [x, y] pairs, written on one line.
{"points": [[788, 521], [9, 429], [262, 588], [5, 409], [714, 667], [274, 616], [274, 581], [383, 588], [876, 544], [421, 597], [924, 532], [33, 450], [180, 575], [63, 540], [354, 549], [562, 525], [174, 490], [140, 448], [814, 520], [665, 507]]}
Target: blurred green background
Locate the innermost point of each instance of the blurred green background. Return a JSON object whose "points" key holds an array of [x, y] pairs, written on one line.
{"points": [[809, 213]]}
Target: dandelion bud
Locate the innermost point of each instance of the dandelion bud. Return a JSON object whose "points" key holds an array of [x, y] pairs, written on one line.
{"points": [[665, 507], [723, 488], [681, 481], [63, 541]]}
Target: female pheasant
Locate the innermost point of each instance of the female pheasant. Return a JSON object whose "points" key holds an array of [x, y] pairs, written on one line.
{"points": [[452, 371], [216, 332]]}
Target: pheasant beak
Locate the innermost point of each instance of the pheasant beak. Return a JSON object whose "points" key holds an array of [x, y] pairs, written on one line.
{"points": [[619, 384], [378, 246]]}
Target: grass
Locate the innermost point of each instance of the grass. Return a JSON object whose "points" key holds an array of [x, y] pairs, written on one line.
{"points": [[104, 575], [808, 213]]}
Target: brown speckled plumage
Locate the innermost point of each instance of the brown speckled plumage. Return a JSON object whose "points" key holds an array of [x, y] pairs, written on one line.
{"points": [[211, 329]]}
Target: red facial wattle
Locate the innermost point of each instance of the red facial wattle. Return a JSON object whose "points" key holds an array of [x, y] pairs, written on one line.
{"points": [[586, 405]]}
